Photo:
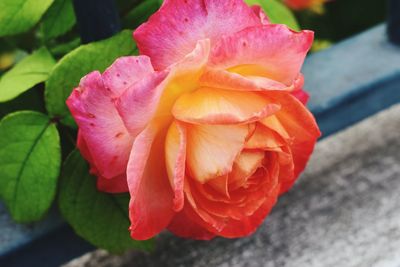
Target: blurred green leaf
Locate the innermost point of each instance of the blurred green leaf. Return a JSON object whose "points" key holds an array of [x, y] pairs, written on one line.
{"points": [[30, 159], [64, 48], [58, 19], [28, 72], [17, 16], [277, 12], [141, 13], [100, 218], [79, 62]]}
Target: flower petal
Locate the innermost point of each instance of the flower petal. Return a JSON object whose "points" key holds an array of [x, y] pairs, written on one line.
{"points": [[264, 138], [153, 96], [273, 51], [150, 206], [182, 225], [224, 79], [301, 95], [173, 31], [248, 225], [261, 14], [215, 106], [298, 125], [244, 166], [211, 149], [139, 102], [105, 135], [220, 185], [114, 185], [124, 72], [175, 155]]}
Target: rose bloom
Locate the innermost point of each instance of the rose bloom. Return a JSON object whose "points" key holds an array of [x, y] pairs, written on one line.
{"points": [[303, 4], [204, 128]]}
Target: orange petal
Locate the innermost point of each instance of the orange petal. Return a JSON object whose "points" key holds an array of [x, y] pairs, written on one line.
{"points": [[224, 79], [264, 138], [220, 184], [175, 156], [216, 106], [245, 165], [211, 149]]}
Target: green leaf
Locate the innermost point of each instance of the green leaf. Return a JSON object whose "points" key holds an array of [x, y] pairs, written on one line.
{"points": [[18, 16], [277, 12], [58, 19], [28, 72], [30, 159], [100, 218], [64, 48], [79, 62], [141, 13]]}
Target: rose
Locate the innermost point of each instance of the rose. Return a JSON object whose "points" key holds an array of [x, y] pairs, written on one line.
{"points": [[303, 4], [202, 128]]}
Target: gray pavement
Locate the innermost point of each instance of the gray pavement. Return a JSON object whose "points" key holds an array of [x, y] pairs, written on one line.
{"points": [[343, 212]]}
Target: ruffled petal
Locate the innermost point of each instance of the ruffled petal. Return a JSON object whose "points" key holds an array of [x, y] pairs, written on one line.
{"points": [[211, 149], [248, 225], [224, 79], [295, 123], [150, 206], [124, 72], [273, 51], [245, 165], [182, 225], [175, 155], [301, 95], [106, 137], [173, 31], [264, 138], [118, 184], [153, 96], [139, 102], [215, 106], [261, 14]]}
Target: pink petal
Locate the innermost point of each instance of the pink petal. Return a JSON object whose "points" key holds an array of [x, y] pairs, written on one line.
{"points": [[110, 185], [150, 207], [173, 31], [301, 95], [114, 185], [261, 14], [139, 102], [106, 137], [124, 72], [273, 51], [215, 106], [154, 95], [175, 155]]}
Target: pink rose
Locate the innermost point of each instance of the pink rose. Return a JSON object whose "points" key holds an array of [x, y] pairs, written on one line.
{"points": [[202, 128]]}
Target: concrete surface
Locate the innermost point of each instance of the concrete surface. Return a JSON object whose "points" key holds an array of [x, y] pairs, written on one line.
{"points": [[343, 212]]}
